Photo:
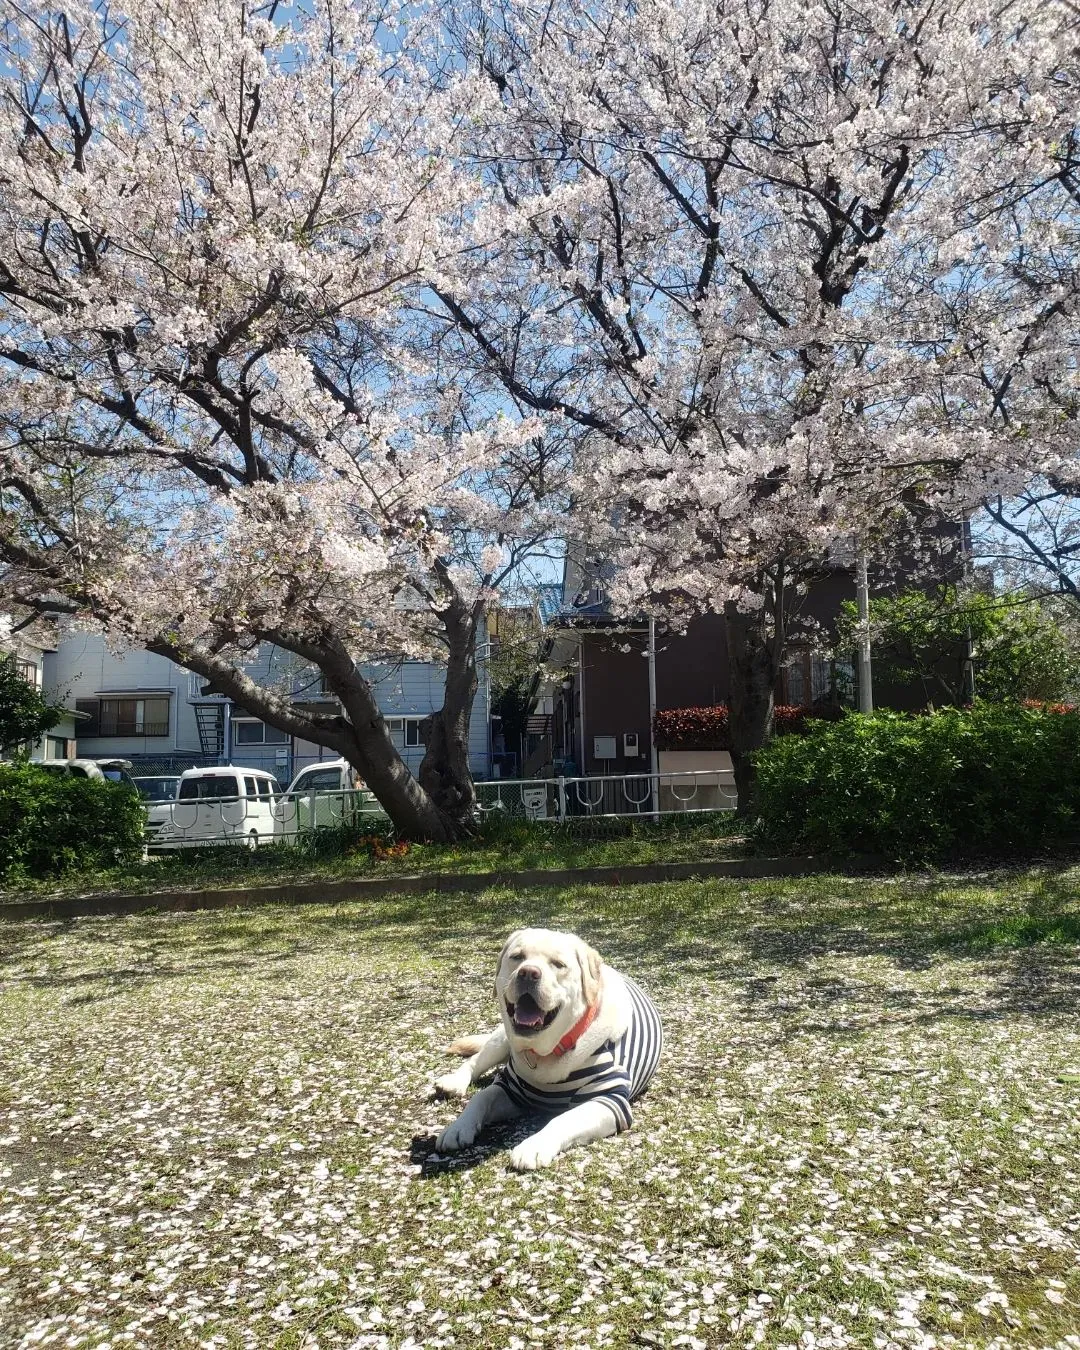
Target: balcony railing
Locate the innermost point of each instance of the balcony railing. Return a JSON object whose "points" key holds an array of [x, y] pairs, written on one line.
{"points": [[129, 729]]}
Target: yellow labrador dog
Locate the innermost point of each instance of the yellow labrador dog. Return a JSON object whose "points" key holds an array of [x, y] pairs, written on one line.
{"points": [[579, 1042]]}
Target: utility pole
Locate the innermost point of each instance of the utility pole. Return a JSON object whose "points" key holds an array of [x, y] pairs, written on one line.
{"points": [[862, 594], [969, 584], [654, 767]]}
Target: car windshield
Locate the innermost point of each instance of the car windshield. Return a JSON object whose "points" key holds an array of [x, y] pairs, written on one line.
{"points": [[157, 789], [323, 780], [224, 785]]}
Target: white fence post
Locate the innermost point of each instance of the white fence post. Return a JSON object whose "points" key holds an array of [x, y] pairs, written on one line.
{"points": [[561, 785]]}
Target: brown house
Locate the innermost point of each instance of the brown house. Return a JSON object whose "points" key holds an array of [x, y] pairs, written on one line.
{"points": [[596, 718]]}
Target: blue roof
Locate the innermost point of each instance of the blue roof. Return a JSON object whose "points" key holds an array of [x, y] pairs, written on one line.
{"points": [[551, 600]]}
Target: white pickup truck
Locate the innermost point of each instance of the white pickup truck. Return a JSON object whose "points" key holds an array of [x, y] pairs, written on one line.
{"points": [[327, 794]]}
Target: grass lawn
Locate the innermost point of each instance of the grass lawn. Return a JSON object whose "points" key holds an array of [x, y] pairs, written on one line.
{"points": [[865, 1129], [499, 847]]}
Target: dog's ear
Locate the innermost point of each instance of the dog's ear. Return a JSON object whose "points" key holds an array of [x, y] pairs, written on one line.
{"points": [[590, 962], [505, 948]]}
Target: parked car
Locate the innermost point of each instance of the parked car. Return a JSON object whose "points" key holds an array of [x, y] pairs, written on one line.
{"points": [[329, 775], [222, 804], [158, 787], [112, 770], [325, 794]]}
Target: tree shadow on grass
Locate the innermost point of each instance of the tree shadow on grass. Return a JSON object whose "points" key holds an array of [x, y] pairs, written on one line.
{"points": [[670, 934]]}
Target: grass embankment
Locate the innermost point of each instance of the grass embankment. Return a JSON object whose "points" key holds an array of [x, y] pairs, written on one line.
{"points": [[333, 855], [865, 1130]]}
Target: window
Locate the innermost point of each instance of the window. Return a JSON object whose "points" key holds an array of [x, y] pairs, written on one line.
{"points": [[249, 787], [844, 674], [812, 679], [405, 731], [209, 788], [28, 671], [266, 788], [321, 780], [794, 685], [89, 725], [55, 747], [820, 679], [248, 731], [125, 716]]}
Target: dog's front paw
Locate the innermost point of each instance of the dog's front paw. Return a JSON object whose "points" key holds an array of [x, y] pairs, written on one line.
{"points": [[532, 1154], [458, 1134], [454, 1084]]}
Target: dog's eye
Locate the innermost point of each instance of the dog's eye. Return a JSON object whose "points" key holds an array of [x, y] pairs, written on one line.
{"points": [[517, 956], [558, 965]]}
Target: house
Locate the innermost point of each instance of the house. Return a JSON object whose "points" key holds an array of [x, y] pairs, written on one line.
{"points": [[145, 708], [30, 647], [596, 717]]}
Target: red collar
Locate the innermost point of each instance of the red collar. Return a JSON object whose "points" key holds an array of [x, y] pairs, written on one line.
{"points": [[571, 1038], [576, 1032]]}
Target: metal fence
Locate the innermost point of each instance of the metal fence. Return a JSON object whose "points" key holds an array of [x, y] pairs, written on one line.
{"points": [[289, 816], [609, 796], [254, 821]]}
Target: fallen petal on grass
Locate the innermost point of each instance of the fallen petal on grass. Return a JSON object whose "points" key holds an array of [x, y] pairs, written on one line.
{"points": [[215, 1129]]}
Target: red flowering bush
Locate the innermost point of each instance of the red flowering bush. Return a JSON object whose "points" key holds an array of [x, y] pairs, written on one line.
{"points": [[379, 848], [707, 728], [1039, 706], [692, 728]]}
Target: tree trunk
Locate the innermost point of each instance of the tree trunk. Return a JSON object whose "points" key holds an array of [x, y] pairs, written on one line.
{"points": [[413, 812], [361, 736], [445, 774], [753, 667], [417, 812]]}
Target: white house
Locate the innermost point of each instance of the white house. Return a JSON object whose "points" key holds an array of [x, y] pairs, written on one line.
{"points": [[149, 710], [30, 648]]}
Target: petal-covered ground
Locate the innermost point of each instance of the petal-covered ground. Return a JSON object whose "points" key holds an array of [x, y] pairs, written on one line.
{"points": [[865, 1131]]}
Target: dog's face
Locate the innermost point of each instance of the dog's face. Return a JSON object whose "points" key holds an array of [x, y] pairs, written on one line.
{"points": [[544, 983]]}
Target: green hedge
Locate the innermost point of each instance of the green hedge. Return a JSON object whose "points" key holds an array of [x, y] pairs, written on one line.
{"points": [[52, 823], [986, 780]]}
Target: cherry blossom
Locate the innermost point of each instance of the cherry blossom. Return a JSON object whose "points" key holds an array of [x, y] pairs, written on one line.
{"points": [[215, 433]]}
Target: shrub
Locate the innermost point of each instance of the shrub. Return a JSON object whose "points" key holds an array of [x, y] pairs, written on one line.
{"points": [[1021, 649], [987, 780], [24, 713], [706, 728], [52, 823]]}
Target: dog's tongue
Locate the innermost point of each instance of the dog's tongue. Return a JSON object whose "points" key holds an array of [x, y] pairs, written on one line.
{"points": [[527, 1017]]}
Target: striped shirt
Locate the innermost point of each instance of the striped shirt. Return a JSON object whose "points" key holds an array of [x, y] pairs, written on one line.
{"points": [[616, 1073]]}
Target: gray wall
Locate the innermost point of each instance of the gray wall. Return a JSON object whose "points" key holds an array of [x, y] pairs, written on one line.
{"points": [[83, 667]]}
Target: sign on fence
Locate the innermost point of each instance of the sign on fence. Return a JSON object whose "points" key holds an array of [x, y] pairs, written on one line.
{"points": [[534, 800]]}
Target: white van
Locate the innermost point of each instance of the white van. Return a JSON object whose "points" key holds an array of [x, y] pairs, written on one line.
{"points": [[325, 794], [218, 805]]}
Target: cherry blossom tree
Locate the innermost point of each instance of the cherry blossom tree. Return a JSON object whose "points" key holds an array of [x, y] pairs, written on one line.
{"points": [[1032, 537], [795, 272], [214, 432]]}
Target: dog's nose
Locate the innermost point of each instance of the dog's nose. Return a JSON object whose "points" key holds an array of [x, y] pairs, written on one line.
{"points": [[529, 973]]}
